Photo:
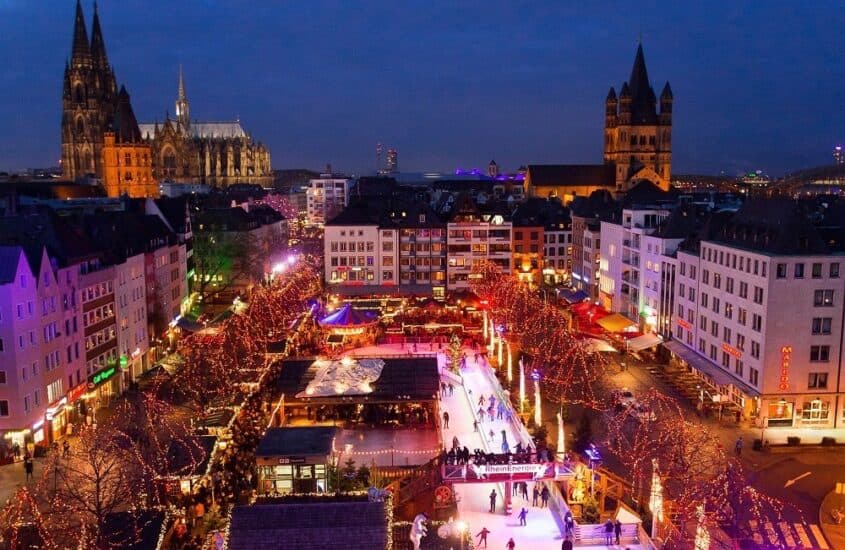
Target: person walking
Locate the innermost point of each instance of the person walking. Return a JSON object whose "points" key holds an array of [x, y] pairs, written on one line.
{"points": [[514, 488], [544, 495], [199, 511], [569, 523], [511, 544], [608, 532], [738, 446], [442, 389], [535, 495], [451, 389], [617, 529], [475, 425], [481, 400], [65, 449], [16, 450], [524, 488], [482, 536], [522, 515], [28, 466], [446, 419], [500, 411], [493, 496]]}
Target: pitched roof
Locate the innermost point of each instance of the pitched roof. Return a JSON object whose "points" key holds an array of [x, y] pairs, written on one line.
{"points": [[357, 213], [683, 222], [348, 316], [360, 525], [643, 100], [304, 441], [9, 259], [125, 126], [646, 192], [572, 175], [401, 379]]}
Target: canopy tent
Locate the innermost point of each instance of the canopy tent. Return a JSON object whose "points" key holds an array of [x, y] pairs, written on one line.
{"points": [[348, 316], [597, 345], [574, 296], [624, 514], [643, 342], [616, 322]]}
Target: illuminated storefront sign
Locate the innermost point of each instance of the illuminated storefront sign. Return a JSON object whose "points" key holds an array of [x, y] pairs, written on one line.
{"points": [[731, 350], [785, 358], [684, 324], [102, 376]]}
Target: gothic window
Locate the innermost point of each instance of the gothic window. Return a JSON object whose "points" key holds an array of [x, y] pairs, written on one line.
{"points": [[642, 140], [633, 140], [80, 127], [80, 95], [169, 163]]}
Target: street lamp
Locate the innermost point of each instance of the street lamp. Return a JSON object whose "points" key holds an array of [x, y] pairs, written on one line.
{"points": [[655, 502], [521, 386], [538, 412], [510, 363]]}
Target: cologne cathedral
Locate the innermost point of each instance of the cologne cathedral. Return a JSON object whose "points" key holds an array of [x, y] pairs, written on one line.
{"points": [[101, 137]]}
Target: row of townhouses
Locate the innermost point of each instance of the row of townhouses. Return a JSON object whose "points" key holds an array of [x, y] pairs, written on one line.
{"points": [[749, 297], [84, 302], [409, 246]]}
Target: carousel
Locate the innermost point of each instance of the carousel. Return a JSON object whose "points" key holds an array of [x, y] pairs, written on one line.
{"points": [[349, 327]]}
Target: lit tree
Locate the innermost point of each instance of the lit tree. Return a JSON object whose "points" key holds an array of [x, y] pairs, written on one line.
{"points": [[222, 258], [22, 527], [100, 478]]}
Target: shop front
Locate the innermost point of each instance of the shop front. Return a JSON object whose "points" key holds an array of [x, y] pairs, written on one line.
{"points": [[295, 460], [811, 411], [103, 385]]}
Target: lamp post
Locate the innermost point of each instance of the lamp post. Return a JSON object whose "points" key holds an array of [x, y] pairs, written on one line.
{"points": [[538, 411], [499, 330], [521, 386], [655, 502], [561, 449], [510, 363]]}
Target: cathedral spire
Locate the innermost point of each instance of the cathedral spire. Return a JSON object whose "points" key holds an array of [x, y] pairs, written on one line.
{"points": [[183, 108], [639, 75], [181, 95], [80, 48], [98, 46]]}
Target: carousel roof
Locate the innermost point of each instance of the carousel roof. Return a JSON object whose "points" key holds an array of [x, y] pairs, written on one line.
{"points": [[348, 316]]}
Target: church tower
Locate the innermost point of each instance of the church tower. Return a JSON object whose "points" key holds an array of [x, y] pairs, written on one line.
{"points": [[183, 108], [88, 100], [638, 138]]}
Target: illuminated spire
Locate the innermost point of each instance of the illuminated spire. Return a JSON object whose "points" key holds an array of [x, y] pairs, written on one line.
{"points": [[80, 49]]}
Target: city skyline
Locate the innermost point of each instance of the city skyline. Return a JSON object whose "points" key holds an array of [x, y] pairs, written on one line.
{"points": [[445, 89]]}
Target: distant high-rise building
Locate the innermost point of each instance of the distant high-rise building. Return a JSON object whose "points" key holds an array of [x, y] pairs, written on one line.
{"points": [[392, 161], [838, 155], [638, 138]]}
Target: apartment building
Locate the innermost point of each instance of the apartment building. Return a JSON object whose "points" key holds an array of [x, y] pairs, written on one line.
{"points": [[759, 306], [358, 251], [422, 249], [586, 215], [624, 270], [327, 196], [475, 236]]}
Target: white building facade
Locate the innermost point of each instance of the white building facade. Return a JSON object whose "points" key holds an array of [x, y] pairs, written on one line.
{"points": [[326, 197], [766, 331]]}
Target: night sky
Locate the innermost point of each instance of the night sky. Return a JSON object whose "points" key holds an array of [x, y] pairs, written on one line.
{"points": [[448, 84]]}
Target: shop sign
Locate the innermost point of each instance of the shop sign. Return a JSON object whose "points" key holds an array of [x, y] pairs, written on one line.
{"points": [[292, 460], [102, 376], [51, 411], [75, 393], [785, 358], [730, 350], [684, 324], [124, 362]]}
